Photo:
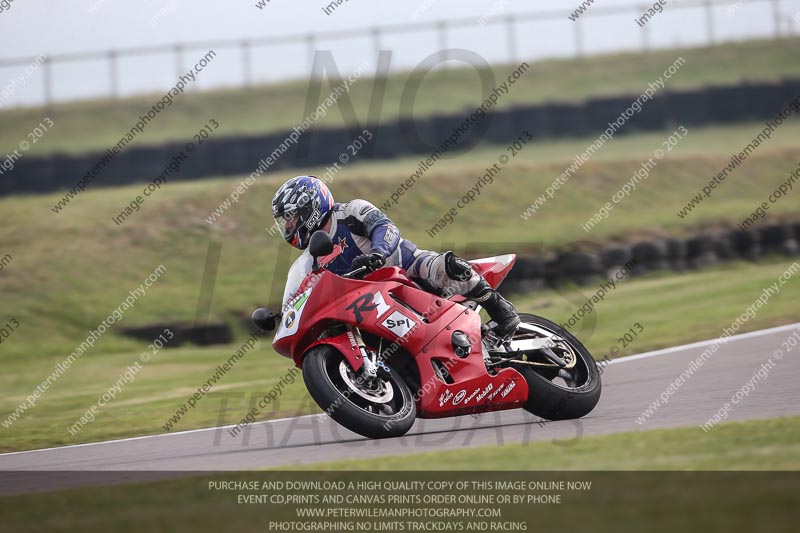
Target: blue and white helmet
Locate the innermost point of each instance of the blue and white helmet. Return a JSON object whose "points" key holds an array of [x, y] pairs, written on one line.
{"points": [[301, 206]]}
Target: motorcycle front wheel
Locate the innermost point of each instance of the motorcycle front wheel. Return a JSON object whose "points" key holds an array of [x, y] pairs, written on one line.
{"points": [[377, 408]]}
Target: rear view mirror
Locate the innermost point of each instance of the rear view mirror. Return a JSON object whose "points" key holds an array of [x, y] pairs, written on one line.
{"points": [[320, 244]]}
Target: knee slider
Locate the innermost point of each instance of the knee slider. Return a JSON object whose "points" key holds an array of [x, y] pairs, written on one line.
{"points": [[456, 268]]}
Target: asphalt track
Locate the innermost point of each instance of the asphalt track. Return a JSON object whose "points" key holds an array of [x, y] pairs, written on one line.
{"points": [[630, 385]]}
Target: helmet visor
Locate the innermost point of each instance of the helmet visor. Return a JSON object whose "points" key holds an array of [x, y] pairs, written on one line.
{"points": [[288, 223]]}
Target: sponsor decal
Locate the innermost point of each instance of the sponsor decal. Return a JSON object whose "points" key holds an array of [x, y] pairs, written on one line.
{"points": [[471, 396], [508, 389], [391, 233], [291, 321], [484, 392], [315, 218], [495, 393], [459, 397], [352, 338], [445, 397], [398, 323], [301, 300]]}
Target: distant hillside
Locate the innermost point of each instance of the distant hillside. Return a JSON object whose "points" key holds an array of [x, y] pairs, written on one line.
{"points": [[89, 126]]}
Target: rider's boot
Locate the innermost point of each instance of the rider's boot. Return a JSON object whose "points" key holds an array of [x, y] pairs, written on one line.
{"points": [[499, 309]]}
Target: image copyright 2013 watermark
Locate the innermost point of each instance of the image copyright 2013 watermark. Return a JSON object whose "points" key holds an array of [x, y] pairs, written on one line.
{"points": [[641, 175], [124, 379], [21, 80], [171, 168], [292, 139], [613, 127], [87, 344], [472, 120], [760, 375], [487, 179], [36, 134], [696, 364], [352, 150], [165, 102]]}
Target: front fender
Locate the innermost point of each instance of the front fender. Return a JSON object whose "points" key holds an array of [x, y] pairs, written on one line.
{"points": [[344, 343]]}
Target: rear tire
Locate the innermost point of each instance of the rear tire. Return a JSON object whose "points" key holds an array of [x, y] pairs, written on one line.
{"points": [[349, 405], [547, 398]]}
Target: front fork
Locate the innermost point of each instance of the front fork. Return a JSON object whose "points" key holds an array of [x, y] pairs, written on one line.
{"points": [[371, 364], [370, 367]]}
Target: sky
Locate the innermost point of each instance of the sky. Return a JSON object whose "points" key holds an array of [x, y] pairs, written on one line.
{"points": [[29, 28]]}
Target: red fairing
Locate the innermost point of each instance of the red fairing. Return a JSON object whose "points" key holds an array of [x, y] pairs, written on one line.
{"points": [[387, 304], [494, 269]]}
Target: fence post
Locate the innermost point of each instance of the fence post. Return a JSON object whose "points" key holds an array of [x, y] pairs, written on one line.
{"points": [[48, 82], [310, 45], [645, 38], [376, 41], [578, 38], [178, 61], [442, 33], [512, 39], [113, 73], [247, 64], [710, 22], [776, 14]]}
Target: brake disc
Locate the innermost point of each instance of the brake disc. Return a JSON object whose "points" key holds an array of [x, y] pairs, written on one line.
{"points": [[382, 393]]}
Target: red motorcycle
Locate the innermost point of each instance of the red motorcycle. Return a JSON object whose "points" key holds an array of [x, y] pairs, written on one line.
{"points": [[378, 352]]}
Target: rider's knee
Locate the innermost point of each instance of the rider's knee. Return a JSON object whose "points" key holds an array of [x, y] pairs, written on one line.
{"points": [[456, 268]]}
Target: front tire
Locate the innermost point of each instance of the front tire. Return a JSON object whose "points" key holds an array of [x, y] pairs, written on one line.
{"points": [[561, 394], [380, 409]]}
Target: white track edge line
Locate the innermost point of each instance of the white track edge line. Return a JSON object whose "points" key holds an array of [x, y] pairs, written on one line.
{"points": [[700, 344], [626, 359]]}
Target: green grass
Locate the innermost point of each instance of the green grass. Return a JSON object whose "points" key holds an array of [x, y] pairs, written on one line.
{"points": [[87, 126], [772, 444], [672, 309], [146, 404], [630, 502], [70, 270]]}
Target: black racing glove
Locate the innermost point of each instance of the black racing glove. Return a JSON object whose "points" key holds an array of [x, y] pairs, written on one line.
{"points": [[371, 261]]}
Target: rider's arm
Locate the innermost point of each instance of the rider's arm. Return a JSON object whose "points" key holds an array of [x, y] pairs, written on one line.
{"points": [[365, 219], [298, 271]]}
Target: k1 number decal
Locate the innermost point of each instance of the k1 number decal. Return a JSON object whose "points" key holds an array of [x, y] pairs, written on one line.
{"points": [[367, 302]]}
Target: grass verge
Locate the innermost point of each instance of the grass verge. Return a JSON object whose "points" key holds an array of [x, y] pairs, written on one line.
{"points": [[772, 444], [70, 270], [614, 501]]}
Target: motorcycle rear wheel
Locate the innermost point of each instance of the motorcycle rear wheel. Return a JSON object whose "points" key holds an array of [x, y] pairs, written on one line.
{"points": [[378, 409], [561, 394]]}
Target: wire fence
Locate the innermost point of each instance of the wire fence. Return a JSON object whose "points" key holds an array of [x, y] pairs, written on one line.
{"points": [[506, 38]]}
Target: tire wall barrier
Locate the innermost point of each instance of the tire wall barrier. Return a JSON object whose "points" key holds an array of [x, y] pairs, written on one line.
{"points": [[532, 272], [679, 255], [238, 155]]}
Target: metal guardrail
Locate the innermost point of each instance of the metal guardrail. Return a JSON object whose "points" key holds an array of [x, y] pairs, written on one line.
{"points": [[441, 28]]}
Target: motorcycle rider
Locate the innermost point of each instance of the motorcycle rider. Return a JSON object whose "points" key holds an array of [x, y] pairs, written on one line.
{"points": [[367, 237]]}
